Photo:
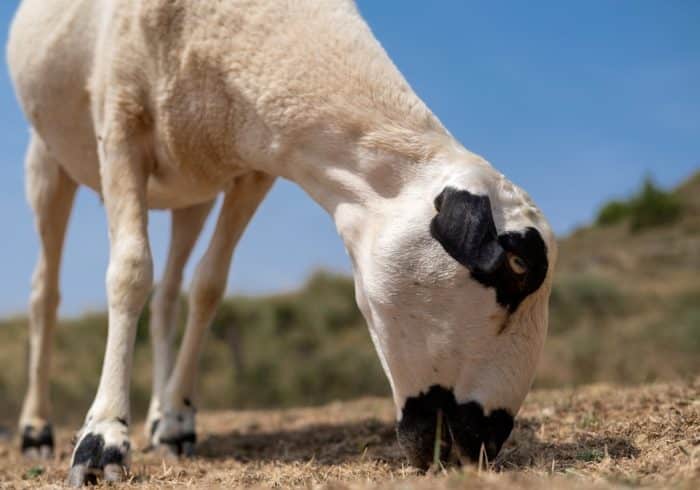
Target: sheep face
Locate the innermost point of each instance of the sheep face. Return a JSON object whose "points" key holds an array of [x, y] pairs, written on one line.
{"points": [[455, 288]]}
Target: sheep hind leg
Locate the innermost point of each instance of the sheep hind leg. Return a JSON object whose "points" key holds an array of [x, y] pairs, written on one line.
{"points": [[50, 193], [186, 226], [176, 433]]}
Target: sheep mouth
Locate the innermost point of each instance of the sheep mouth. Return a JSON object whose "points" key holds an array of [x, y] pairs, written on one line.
{"points": [[435, 428]]}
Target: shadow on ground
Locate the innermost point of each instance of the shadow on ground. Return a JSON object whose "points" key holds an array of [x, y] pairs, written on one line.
{"points": [[372, 439], [526, 449], [323, 443]]}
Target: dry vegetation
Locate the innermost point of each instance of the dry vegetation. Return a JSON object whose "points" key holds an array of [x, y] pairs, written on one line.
{"points": [[599, 436]]}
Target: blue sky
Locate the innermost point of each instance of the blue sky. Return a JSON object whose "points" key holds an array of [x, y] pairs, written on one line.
{"points": [[574, 101]]}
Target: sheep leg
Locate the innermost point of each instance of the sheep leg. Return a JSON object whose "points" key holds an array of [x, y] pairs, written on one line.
{"points": [[103, 447], [176, 431], [50, 193], [186, 226]]}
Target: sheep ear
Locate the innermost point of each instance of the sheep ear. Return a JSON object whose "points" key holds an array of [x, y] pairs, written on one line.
{"points": [[465, 228]]}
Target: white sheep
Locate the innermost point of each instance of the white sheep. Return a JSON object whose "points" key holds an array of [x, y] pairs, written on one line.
{"points": [[167, 103]]}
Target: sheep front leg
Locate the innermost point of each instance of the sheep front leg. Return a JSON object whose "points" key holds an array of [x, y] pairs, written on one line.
{"points": [[103, 446], [176, 431]]}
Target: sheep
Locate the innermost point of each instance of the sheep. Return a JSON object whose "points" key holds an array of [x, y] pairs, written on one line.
{"points": [[168, 103]]}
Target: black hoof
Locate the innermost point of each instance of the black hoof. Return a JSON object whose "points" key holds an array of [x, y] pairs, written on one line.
{"points": [[92, 460], [37, 443], [182, 445]]}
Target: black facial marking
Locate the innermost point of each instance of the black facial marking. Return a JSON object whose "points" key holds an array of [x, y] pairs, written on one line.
{"points": [[31, 438], [465, 228], [417, 429], [512, 288], [464, 424], [472, 428]]}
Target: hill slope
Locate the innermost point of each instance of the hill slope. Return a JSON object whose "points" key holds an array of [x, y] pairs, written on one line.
{"points": [[626, 304]]}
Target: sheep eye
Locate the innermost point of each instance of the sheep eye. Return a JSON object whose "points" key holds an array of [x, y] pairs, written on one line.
{"points": [[517, 264]]}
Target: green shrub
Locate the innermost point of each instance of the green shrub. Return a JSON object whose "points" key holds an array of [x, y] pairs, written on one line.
{"points": [[613, 212], [654, 207], [649, 207]]}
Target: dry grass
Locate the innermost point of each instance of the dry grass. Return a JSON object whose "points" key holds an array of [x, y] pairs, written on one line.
{"points": [[594, 437]]}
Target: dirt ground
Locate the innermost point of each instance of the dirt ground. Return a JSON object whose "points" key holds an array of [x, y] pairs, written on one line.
{"points": [[595, 437]]}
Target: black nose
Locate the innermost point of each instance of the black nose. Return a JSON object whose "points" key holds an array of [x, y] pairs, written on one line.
{"points": [[434, 422]]}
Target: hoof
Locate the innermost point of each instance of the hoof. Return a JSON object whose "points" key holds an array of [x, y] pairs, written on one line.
{"points": [[81, 474], [101, 453], [37, 444], [178, 446], [174, 435]]}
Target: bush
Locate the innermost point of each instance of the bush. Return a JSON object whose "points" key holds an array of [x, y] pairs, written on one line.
{"points": [[654, 207], [648, 208], [612, 213]]}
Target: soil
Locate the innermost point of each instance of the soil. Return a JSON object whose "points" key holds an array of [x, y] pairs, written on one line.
{"points": [[599, 436]]}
